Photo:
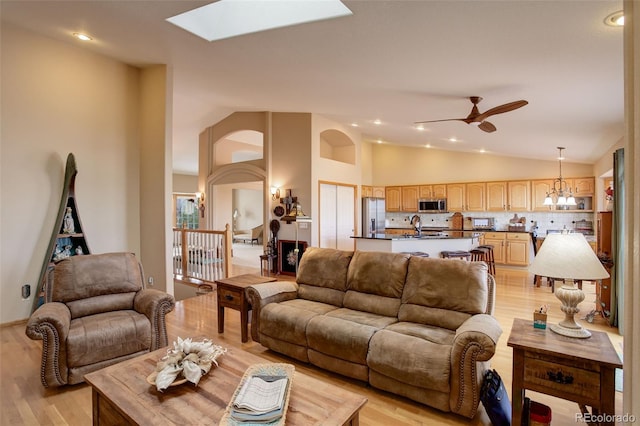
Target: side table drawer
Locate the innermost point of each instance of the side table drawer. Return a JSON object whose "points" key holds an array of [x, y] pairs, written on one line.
{"points": [[564, 381], [229, 298]]}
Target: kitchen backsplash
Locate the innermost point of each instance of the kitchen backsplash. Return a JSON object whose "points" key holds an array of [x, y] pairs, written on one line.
{"points": [[544, 220]]}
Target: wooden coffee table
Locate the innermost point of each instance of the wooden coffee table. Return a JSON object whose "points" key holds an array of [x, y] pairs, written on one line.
{"points": [[121, 395], [231, 294]]}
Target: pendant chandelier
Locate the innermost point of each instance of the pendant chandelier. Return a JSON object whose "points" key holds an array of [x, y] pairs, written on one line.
{"points": [[561, 191]]}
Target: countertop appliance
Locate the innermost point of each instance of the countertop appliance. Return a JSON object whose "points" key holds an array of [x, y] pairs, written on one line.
{"points": [[373, 216], [432, 205], [483, 223]]}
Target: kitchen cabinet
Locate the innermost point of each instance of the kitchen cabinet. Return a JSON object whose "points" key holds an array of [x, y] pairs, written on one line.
{"points": [[433, 191], [475, 196], [539, 190], [508, 196], [498, 241], [603, 232], [517, 248], [392, 198], [377, 191], [496, 196], [518, 195], [409, 199], [456, 197], [372, 191], [582, 186]]}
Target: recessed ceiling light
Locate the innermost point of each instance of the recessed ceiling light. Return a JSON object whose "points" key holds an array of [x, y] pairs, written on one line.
{"points": [[453, 140], [420, 127], [482, 151], [428, 145], [83, 37], [230, 18], [379, 141], [616, 19], [377, 122], [354, 124]]}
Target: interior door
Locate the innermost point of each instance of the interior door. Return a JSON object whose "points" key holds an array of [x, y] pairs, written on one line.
{"points": [[345, 214], [337, 216]]}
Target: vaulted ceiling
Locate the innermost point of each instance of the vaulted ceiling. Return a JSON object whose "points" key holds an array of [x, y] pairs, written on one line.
{"points": [[395, 61]]}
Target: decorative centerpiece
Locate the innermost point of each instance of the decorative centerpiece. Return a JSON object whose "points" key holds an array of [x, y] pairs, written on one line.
{"points": [[186, 361]]}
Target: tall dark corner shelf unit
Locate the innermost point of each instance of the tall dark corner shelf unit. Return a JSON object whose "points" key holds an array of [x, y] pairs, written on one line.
{"points": [[75, 242]]}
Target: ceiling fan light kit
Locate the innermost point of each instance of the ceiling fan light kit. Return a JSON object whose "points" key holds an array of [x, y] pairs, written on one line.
{"points": [[477, 118]]}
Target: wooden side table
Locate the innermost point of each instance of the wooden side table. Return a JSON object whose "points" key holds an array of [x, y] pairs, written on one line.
{"points": [[231, 294], [580, 370]]}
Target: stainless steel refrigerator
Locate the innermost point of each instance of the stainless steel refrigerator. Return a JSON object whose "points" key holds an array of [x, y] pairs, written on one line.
{"points": [[373, 216]]}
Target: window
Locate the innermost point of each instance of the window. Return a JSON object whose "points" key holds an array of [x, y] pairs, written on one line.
{"points": [[187, 212]]}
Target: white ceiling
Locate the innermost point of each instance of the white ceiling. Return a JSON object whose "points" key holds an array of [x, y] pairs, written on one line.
{"points": [[397, 61]]}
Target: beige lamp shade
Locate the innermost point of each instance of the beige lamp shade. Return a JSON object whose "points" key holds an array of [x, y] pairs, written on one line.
{"points": [[567, 256]]}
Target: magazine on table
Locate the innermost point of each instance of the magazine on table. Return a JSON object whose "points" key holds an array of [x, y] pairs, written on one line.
{"points": [[260, 399]]}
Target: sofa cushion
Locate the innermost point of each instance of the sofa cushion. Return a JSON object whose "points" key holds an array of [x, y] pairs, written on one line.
{"points": [[431, 333], [375, 282], [288, 320], [116, 333], [422, 363], [340, 338], [444, 292], [365, 318], [82, 277], [322, 275]]}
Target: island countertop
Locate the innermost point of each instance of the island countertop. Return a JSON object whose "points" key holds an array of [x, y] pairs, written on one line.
{"points": [[432, 245]]}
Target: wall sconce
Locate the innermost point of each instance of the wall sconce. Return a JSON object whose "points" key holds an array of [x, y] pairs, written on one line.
{"points": [[275, 193], [200, 197]]}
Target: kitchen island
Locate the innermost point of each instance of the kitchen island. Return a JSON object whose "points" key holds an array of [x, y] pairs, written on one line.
{"points": [[430, 244]]}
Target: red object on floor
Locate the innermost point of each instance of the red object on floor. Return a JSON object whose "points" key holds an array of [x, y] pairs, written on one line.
{"points": [[539, 414]]}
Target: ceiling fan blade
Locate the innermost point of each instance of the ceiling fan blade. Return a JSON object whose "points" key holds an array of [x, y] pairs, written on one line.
{"points": [[501, 109], [437, 121], [487, 127]]}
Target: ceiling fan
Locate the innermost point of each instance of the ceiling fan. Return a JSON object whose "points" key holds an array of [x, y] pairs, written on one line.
{"points": [[475, 117]]}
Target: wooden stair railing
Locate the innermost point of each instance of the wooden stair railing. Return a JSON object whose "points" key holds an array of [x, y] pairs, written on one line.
{"points": [[201, 256]]}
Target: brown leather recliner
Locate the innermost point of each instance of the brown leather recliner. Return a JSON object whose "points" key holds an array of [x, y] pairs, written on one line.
{"points": [[97, 313]]}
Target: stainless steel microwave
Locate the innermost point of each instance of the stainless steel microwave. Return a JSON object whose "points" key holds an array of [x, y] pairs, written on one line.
{"points": [[432, 205]]}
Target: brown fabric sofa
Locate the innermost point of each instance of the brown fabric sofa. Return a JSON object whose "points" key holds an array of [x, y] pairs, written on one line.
{"points": [[418, 327], [97, 313]]}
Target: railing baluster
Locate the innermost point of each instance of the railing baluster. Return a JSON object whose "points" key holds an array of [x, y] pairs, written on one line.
{"points": [[201, 255]]}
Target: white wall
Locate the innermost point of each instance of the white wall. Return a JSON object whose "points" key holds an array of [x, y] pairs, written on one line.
{"points": [[59, 98]]}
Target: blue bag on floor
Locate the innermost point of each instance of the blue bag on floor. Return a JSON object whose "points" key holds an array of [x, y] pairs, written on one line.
{"points": [[495, 399]]}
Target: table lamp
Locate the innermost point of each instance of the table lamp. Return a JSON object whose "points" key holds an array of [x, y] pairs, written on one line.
{"points": [[569, 257]]}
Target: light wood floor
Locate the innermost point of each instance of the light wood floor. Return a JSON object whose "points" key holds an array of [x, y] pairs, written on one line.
{"points": [[25, 401]]}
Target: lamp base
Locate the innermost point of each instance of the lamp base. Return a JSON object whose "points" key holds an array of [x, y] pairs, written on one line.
{"points": [[580, 333]]}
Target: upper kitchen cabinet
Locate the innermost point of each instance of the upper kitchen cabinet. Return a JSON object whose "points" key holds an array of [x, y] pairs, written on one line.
{"points": [[496, 196], [539, 190], [409, 198], [582, 186], [378, 191], [518, 195], [456, 197], [392, 198], [503, 196], [433, 191], [582, 189], [366, 191], [475, 196]]}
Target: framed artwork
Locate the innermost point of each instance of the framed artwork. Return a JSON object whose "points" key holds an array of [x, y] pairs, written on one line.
{"points": [[287, 257]]}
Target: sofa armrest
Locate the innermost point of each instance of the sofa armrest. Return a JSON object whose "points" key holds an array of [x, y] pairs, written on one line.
{"points": [[50, 323], [260, 295], [474, 344], [155, 305]]}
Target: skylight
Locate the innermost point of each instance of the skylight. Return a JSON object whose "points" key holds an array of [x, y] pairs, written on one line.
{"points": [[230, 18]]}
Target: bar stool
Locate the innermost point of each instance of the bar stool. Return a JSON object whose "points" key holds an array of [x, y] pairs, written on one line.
{"points": [[456, 254], [491, 262]]}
